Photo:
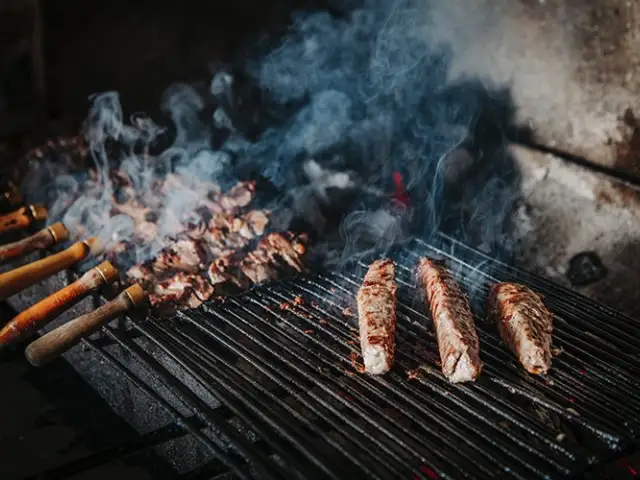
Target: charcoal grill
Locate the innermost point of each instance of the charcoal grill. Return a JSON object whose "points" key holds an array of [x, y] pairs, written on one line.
{"points": [[266, 384]]}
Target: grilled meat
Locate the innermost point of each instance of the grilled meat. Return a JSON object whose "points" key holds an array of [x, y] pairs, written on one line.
{"points": [[274, 253], [524, 323], [377, 317], [453, 321], [227, 233], [142, 274], [175, 277], [259, 266], [251, 225], [288, 247], [182, 289], [226, 276], [210, 256], [238, 197], [184, 255]]}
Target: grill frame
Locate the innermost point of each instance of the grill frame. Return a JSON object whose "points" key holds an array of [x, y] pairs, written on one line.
{"points": [[124, 341]]}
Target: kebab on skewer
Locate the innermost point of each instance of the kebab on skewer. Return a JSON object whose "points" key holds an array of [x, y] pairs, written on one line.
{"points": [[525, 324], [177, 277], [377, 317], [453, 321]]}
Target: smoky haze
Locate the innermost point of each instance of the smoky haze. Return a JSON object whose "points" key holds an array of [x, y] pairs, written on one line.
{"points": [[338, 106]]}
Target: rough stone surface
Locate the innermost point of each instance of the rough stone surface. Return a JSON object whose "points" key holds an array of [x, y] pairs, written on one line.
{"points": [[572, 67], [567, 210]]}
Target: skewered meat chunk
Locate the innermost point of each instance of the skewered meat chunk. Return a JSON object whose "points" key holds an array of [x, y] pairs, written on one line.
{"points": [[142, 274], [183, 254], [226, 233], [238, 197], [225, 275], [524, 323], [259, 266], [377, 317], [273, 254], [221, 241], [190, 290], [453, 321], [289, 249], [251, 225]]}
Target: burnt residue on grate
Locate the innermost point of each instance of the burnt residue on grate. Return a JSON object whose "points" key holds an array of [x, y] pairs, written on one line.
{"points": [[282, 363]]}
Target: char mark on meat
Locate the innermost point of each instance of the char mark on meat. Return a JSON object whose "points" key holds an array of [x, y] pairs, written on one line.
{"points": [[377, 317], [184, 254], [227, 233], [453, 321], [259, 267], [286, 246], [226, 276], [180, 290], [276, 254], [525, 324], [241, 195], [142, 274]]}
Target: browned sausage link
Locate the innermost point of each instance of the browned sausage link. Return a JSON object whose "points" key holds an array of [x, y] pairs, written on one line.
{"points": [[524, 323], [377, 317], [453, 321]]}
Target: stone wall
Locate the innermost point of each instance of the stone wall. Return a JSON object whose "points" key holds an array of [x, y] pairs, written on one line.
{"points": [[573, 66]]}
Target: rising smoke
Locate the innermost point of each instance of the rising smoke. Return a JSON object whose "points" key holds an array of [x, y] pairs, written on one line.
{"points": [[346, 102]]}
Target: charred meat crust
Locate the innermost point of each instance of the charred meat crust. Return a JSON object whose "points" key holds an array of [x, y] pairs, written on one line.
{"points": [[525, 324], [453, 321], [377, 317], [177, 277], [224, 247]]}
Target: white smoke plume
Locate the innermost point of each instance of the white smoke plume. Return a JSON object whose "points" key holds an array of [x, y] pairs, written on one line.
{"points": [[348, 102]]}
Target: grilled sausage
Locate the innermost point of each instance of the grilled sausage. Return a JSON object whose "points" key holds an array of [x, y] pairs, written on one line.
{"points": [[453, 321], [377, 317], [524, 323]]}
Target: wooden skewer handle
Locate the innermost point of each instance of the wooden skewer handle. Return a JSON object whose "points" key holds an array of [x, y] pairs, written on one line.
{"points": [[53, 344], [45, 238], [18, 279], [22, 218], [38, 315]]}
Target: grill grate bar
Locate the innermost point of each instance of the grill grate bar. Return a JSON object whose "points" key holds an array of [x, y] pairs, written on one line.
{"points": [[190, 340], [415, 410], [447, 394], [182, 421], [619, 414], [286, 372], [326, 379], [277, 375], [562, 299], [606, 423], [266, 468], [228, 395]]}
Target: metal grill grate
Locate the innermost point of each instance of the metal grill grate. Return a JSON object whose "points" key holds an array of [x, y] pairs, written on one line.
{"points": [[279, 395]]}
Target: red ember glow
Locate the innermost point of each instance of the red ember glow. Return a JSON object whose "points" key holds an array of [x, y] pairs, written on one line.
{"points": [[400, 194]]}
